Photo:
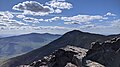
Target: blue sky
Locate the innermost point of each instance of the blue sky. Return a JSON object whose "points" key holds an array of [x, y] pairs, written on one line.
{"points": [[59, 16]]}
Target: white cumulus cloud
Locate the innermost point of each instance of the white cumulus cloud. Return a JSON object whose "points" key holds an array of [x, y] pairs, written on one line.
{"points": [[7, 21], [52, 19], [30, 19], [110, 14], [36, 8], [78, 19], [35, 20], [20, 16], [6, 15], [116, 23], [59, 4], [33, 8], [58, 11]]}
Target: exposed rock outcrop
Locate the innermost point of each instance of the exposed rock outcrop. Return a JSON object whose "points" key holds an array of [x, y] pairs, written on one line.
{"points": [[106, 53], [69, 56]]}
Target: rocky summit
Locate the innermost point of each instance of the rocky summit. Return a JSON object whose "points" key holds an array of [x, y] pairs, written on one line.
{"points": [[105, 54], [69, 56]]}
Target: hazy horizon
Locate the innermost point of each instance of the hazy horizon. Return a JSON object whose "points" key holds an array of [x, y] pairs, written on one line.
{"points": [[9, 35]]}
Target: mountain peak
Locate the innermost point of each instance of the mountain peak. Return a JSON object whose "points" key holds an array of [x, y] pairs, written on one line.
{"points": [[75, 31], [34, 33]]}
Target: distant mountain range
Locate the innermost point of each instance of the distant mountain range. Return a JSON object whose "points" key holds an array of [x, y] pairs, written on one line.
{"points": [[73, 38], [7, 35], [16, 45]]}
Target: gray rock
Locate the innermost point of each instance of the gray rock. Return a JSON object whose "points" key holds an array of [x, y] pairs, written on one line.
{"points": [[106, 53], [69, 56]]}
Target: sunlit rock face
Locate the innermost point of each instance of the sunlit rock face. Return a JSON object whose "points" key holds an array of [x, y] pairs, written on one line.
{"points": [[69, 56]]}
